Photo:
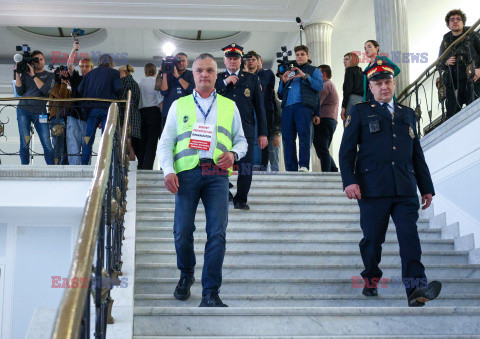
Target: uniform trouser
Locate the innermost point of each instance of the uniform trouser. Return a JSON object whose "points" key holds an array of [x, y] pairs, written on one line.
{"points": [[213, 190], [245, 171], [151, 132], [296, 119], [374, 218]]}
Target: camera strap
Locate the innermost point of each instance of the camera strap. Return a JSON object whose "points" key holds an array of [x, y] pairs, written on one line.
{"points": [[205, 115]]}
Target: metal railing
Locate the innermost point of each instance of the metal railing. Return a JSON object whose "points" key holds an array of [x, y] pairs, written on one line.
{"points": [[96, 263], [428, 92]]}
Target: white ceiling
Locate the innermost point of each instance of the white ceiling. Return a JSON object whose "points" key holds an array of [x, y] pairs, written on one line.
{"points": [[234, 15]]}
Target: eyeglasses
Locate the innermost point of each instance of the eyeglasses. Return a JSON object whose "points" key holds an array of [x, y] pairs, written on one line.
{"points": [[452, 19]]}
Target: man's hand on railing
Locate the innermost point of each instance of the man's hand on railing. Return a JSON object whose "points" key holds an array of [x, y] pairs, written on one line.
{"points": [[451, 61], [171, 183], [477, 75]]}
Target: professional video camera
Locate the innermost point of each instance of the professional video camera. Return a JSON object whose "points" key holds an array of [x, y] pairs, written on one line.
{"points": [[285, 65], [58, 72], [169, 63], [24, 59]]}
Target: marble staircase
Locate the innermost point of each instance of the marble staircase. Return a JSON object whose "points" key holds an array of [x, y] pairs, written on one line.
{"points": [[290, 269]]}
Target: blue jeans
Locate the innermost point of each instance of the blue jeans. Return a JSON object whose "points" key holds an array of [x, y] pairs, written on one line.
{"points": [[213, 190], [76, 130], [25, 120], [296, 119], [95, 116]]}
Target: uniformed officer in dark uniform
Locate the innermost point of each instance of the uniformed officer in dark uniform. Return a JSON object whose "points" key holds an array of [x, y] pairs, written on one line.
{"points": [[383, 174], [243, 88]]}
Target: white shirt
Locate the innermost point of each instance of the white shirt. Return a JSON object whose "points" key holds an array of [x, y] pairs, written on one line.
{"points": [[148, 95], [169, 135]]}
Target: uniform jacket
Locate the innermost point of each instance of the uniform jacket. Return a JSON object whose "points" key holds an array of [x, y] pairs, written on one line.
{"points": [[248, 96], [389, 160]]}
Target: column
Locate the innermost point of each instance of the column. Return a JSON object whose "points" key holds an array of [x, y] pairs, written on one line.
{"points": [[318, 39], [392, 36]]}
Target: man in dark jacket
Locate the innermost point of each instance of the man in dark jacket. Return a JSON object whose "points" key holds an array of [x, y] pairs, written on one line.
{"points": [[382, 164], [459, 88], [299, 91], [103, 82]]}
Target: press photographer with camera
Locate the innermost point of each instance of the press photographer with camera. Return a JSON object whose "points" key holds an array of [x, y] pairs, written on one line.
{"points": [[31, 80], [463, 55], [174, 81], [299, 91], [76, 117]]}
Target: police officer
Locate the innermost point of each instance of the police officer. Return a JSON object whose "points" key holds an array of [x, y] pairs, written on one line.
{"points": [[383, 174], [243, 88]]}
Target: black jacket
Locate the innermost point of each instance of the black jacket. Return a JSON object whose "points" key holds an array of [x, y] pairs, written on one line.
{"points": [[382, 156], [352, 83], [309, 95], [469, 46], [248, 96]]}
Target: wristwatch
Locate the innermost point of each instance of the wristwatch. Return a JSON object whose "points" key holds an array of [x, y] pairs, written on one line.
{"points": [[235, 155], [305, 77]]}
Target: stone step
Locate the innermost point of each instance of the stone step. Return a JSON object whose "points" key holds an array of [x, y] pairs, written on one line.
{"points": [[147, 184], [302, 300], [175, 321], [259, 190], [290, 176], [256, 208], [281, 232], [280, 200], [275, 216], [168, 269], [287, 244], [257, 193], [320, 286], [435, 336]]}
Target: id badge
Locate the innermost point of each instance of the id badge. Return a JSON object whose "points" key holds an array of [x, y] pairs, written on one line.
{"points": [[201, 136], [374, 126], [43, 118], [179, 90]]}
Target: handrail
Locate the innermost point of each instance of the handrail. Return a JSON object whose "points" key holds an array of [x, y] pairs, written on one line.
{"points": [[123, 148], [60, 100], [72, 307], [440, 58]]}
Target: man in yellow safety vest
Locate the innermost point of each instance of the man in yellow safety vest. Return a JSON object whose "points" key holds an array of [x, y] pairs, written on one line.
{"points": [[202, 138]]}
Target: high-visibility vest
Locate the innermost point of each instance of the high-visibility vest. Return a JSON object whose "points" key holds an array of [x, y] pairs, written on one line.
{"points": [[185, 158]]}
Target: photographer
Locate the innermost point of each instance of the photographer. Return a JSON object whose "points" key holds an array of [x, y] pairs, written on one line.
{"points": [[174, 85], [34, 82], [455, 75], [76, 118], [299, 91]]}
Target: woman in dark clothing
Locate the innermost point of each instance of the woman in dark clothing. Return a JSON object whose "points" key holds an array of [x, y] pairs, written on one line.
{"points": [[372, 49], [135, 120], [352, 84]]}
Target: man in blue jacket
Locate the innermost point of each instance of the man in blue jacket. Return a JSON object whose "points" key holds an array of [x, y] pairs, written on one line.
{"points": [[104, 83], [298, 90], [382, 163]]}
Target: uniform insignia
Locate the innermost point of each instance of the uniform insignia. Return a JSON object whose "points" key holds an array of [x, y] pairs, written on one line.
{"points": [[373, 105], [233, 45], [347, 122], [247, 92], [185, 119], [411, 132], [379, 62]]}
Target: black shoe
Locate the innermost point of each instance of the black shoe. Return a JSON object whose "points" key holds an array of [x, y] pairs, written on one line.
{"points": [[230, 196], [211, 299], [240, 206], [420, 296], [182, 291], [370, 291]]}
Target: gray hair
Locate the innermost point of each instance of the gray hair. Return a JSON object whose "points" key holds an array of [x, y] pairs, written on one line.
{"points": [[106, 60]]}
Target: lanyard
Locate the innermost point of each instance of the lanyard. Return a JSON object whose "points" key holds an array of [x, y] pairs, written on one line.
{"points": [[205, 115]]}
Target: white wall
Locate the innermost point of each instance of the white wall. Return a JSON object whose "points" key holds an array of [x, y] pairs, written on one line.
{"points": [[38, 232]]}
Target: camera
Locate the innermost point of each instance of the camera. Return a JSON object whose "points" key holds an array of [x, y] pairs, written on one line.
{"points": [[58, 72], [285, 65], [24, 59], [169, 63]]}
